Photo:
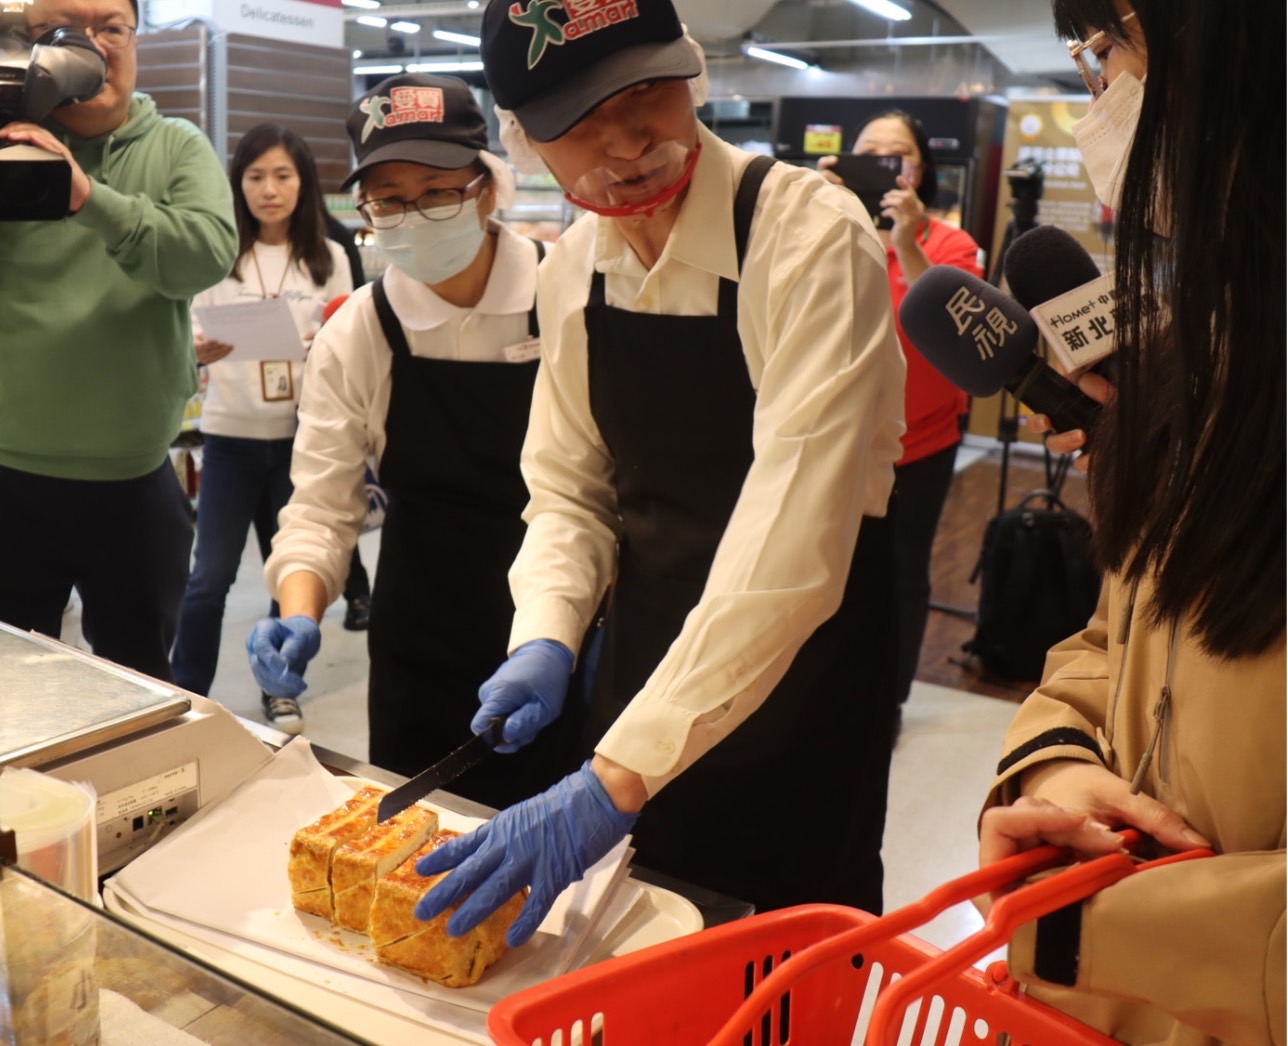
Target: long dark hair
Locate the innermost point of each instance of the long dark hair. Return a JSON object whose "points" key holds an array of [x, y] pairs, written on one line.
{"points": [[307, 231], [1187, 480], [928, 188]]}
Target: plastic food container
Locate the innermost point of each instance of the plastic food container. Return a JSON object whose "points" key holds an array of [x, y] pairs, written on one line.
{"points": [[54, 823]]}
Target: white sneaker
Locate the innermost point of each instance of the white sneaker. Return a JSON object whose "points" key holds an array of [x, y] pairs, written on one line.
{"points": [[283, 713]]}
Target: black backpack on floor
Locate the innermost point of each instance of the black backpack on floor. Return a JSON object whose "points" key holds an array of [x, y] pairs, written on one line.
{"points": [[1038, 585]]}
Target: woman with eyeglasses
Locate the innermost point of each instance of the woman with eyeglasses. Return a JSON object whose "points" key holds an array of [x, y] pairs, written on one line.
{"points": [[248, 410], [428, 373], [1167, 713]]}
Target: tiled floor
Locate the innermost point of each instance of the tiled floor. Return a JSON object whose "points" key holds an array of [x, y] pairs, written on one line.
{"points": [[942, 765]]}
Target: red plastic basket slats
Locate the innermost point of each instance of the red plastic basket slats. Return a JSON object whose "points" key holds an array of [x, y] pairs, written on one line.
{"points": [[808, 976]]}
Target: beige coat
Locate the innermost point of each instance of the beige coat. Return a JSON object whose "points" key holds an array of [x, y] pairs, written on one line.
{"points": [[1192, 953]]}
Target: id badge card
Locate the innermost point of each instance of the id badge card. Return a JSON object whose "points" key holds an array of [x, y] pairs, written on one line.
{"points": [[523, 351], [276, 381]]}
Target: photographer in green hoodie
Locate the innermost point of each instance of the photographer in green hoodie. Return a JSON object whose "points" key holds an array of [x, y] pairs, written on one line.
{"points": [[96, 356]]}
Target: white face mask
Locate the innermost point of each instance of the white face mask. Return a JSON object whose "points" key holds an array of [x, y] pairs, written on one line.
{"points": [[430, 251], [1105, 134]]}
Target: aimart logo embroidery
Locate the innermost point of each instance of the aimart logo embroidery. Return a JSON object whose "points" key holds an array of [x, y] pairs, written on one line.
{"points": [[582, 17], [404, 105]]}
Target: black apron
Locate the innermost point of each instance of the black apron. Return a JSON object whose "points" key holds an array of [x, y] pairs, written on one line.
{"points": [[790, 807], [441, 608]]}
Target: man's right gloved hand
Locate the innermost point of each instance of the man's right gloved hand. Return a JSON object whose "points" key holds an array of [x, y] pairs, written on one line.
{"points": [[279, 648], [528, 691]]}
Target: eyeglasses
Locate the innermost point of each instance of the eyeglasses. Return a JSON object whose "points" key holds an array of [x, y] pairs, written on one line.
{"points": [[438, 205], [1087, 56], [111, 36]]}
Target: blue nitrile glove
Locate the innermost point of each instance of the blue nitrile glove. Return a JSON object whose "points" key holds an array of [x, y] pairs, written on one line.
{"points": [[527, 691], [279, 648], [545, 842]]}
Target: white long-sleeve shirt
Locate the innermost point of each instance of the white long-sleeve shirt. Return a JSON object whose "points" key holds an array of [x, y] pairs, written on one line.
{"points": [[817, 330], [346, 399], [234, 403]]}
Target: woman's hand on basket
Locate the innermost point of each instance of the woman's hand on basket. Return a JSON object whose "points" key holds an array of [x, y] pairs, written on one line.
{"points": [[1073, 803], [1099, 389]]}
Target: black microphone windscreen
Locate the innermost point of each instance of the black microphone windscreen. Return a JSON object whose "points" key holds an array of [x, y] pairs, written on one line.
{"points": [[1045, 263], [972, 333]]}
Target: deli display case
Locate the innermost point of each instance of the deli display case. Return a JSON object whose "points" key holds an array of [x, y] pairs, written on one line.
{"points": [[72, 974], [185, 930]]}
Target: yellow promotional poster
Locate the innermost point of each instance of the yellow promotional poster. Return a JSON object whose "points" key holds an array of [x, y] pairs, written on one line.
{"points": [[1039, 130], [822, 139]]}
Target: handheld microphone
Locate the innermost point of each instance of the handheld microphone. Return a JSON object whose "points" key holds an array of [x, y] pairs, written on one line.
{"points": [[334, 304], [983, 342], [1052, 275]]}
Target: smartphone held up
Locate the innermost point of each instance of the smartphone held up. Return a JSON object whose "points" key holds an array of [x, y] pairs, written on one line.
{"points": [[870, 176]]}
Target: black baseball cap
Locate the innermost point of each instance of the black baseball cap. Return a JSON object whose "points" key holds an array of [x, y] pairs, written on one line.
{"points": [[550, 63], [417, 118]]}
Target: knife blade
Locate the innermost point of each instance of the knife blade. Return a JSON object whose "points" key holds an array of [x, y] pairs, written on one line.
{"points": [[446, 769]]}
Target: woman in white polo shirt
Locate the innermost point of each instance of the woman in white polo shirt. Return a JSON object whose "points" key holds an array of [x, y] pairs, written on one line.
{"points": [[428, 372]]}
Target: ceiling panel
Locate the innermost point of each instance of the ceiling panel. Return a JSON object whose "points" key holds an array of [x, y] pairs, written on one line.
{"points": [[1018, 33]]}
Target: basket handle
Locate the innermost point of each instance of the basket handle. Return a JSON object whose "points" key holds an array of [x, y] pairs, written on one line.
{"points": [[1008, 913], [983, 880]]}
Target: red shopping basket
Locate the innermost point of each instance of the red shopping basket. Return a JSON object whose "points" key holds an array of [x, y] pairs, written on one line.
{"points": [[814, 974]]}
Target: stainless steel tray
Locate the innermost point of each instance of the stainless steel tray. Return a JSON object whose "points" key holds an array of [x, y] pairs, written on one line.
{"points": [[56, 700]]}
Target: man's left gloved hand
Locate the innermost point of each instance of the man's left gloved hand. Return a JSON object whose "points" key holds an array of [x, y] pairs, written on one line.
{"points": [[545, 842]]}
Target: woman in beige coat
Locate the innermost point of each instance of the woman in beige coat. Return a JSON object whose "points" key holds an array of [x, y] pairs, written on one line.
{"points": [[1166, 713]]}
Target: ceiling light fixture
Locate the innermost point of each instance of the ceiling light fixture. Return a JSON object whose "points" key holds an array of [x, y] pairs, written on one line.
{"points": [[376, 70], [372, 20], [776, 57], [885, 9], [446, 67], [368, 4], [405, 27], [456, 38]]}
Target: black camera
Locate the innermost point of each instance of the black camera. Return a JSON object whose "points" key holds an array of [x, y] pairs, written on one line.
{"points": [[1025, 181], [62, 67]]}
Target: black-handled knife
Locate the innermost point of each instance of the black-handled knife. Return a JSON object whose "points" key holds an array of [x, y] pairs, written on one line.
{"points": [[446, 769]]}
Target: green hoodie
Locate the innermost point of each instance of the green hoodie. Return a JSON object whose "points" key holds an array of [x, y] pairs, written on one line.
{"points": [[96, 357]]}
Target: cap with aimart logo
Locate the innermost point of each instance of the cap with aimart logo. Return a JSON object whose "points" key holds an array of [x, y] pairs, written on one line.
{"points": [[416, 118], [551, 62]]}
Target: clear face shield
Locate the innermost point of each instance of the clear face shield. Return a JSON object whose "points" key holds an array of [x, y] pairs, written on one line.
{"points": [[638, 188]]}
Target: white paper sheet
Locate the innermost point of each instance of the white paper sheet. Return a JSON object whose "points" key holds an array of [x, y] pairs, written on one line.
{"points": [[261, 329], [225, 869]]}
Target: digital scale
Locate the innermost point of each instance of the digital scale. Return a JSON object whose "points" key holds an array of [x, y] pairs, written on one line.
{"points": [[153, 753]]}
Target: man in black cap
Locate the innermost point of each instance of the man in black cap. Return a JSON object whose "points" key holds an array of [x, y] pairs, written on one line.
{"points": [[427, 372], [719, 409]]}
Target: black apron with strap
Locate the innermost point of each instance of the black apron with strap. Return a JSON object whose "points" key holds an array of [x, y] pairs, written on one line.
{"points": [[441, 608], [790, 807]]}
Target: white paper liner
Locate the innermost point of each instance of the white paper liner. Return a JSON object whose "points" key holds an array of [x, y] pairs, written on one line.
{"points": [[225, 871]]}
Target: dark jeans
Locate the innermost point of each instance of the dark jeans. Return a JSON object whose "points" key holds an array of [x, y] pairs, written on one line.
{"points": [[124, 544], [240, 478], [920, 490]]}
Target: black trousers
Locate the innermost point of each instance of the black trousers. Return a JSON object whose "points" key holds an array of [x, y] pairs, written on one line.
{"points": [[920, 490], [123, 544]]}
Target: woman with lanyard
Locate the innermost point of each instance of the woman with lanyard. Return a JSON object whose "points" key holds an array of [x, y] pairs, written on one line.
{"points": [[713, 432], [933, 406], [248, 411], [428, 372]]}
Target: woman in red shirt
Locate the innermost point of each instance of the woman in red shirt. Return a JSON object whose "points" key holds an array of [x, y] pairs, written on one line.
{"points": [[933, 407]]}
